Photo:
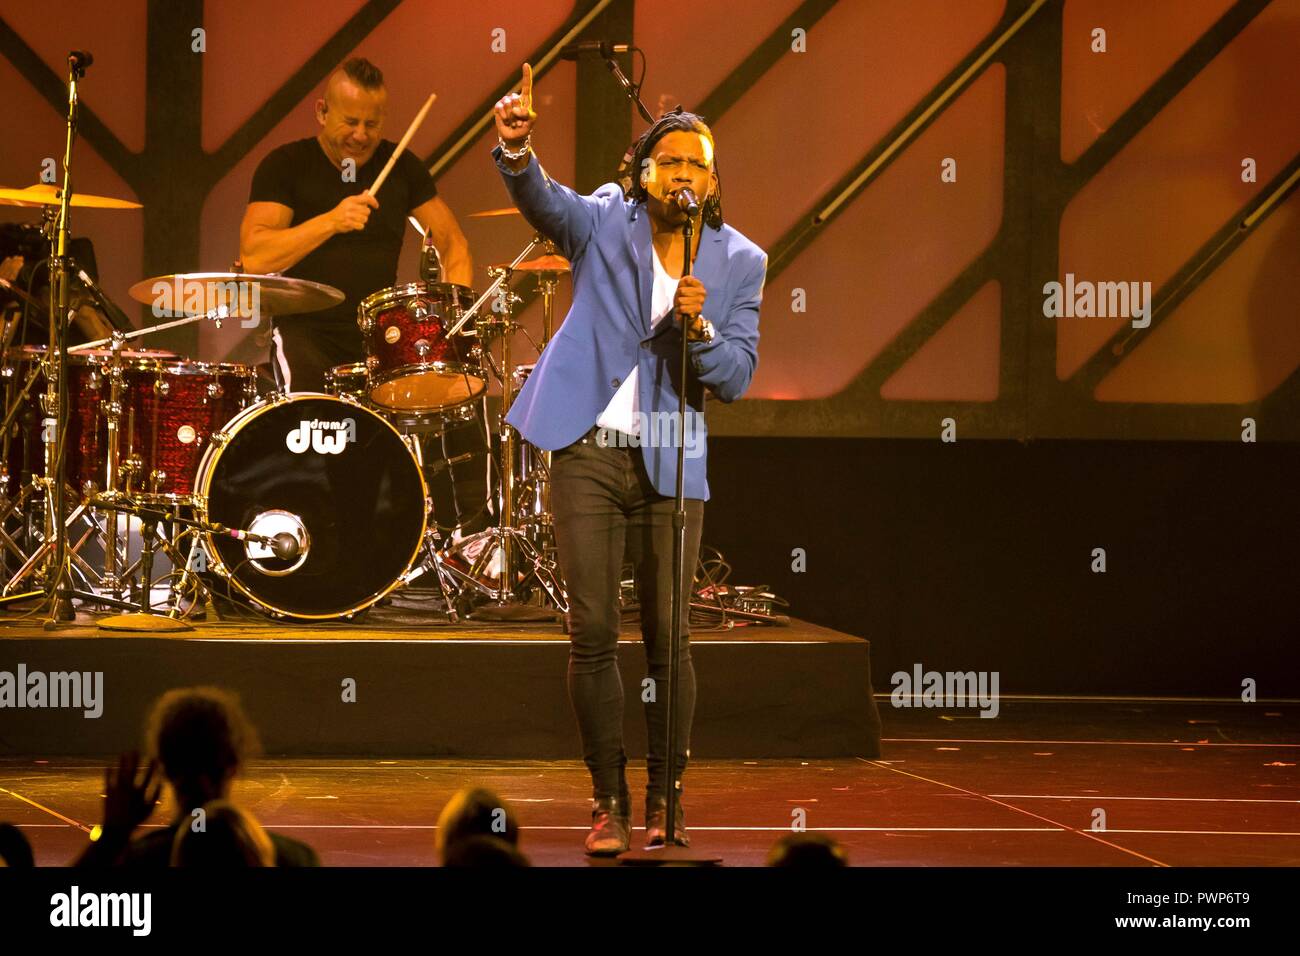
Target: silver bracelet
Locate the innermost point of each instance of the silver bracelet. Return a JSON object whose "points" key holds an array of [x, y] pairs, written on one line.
{"points": [[522, 152]]}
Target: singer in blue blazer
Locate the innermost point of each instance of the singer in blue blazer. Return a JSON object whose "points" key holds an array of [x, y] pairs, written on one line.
{"points": [[611, 372], [606, 238]]}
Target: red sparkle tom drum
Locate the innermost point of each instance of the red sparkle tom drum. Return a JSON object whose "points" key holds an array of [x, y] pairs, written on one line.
{"points": [[413, 364]]}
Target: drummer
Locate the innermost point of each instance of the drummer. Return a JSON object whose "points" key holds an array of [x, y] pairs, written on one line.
{"points": [[309, 217]]}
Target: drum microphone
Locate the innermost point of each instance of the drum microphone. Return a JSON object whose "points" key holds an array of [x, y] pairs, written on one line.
{"points": [[116, 317], [687, 202], [430, 261], [603, 47], [283, 545]]}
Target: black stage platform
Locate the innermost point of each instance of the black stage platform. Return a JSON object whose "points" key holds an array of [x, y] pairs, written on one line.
{"points": [[424, 688]]}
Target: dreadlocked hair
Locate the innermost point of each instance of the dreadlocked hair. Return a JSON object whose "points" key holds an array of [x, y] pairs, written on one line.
{"points": [[675, 121]]}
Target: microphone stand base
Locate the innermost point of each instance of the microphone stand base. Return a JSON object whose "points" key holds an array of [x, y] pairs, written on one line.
{"points": [[61, 610], [668, 855], [139, 621]]}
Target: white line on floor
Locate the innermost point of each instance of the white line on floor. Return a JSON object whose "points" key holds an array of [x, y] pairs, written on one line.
{"points": [[1097, 796], [1104, 743]]}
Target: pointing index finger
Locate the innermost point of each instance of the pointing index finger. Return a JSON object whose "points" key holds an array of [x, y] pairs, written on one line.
{"points": [[526, 88]]}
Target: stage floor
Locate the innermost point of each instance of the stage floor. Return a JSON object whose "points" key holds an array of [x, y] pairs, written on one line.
{"points": [[402, 620], [1181, 783]]}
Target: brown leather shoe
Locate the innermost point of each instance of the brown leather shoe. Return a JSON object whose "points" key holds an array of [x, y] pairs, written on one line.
{"points": [[610, 827], [656, 823]]}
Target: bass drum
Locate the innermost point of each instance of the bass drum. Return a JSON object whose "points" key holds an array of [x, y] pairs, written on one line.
{"points": [[336, 477]]}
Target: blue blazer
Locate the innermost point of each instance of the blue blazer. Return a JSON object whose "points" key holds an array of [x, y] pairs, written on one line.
{"points": [[607, 331]]}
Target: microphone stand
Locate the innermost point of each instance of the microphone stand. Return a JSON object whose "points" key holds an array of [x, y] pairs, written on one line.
{"points": [[56, 397], [679, 556], [144, 617], [670, 852], [632, 92]]}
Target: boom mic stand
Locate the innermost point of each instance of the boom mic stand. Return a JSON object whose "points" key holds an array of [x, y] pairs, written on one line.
{"points": [[633, 92]]}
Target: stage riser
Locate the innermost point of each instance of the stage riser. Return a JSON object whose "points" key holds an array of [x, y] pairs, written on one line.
{"points": [[449, 698]]}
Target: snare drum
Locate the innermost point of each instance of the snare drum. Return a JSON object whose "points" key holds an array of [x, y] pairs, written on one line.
{"points": [[413, 364]]}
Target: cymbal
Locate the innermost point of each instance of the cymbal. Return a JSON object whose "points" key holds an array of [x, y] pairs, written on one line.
{"points": [[544, 263], [47, 194], [485, 213], [200, 293]]}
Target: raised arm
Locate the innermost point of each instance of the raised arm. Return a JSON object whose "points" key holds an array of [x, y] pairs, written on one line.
{"points": [[557, 211]]}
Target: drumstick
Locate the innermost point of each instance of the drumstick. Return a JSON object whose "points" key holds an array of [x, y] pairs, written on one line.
{"points": [[406, 138]]}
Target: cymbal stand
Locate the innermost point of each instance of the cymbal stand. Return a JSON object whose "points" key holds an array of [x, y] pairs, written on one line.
{"points": [[40, 558], [506, 539], [534, 508]]}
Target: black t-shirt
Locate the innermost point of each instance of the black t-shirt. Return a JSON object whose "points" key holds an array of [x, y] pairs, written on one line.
{"points": [[299, 175]]}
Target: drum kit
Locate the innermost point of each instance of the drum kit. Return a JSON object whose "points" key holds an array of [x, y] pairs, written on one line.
{"points": [[310, 506], [306, 506]]}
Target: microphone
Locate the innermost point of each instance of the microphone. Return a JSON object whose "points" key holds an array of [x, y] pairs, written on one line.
{"points": [[115, 315], [603, 47], [285, 546], [80, 59], [687, 202], [430, 262]]}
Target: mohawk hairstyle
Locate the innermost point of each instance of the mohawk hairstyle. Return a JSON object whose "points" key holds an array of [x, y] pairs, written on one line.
{"points": [[364, 73]]}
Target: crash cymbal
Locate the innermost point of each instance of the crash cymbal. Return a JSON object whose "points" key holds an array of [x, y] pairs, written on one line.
{"points": [[47, 194], [544, 263], [201, 293], [486, 213]]}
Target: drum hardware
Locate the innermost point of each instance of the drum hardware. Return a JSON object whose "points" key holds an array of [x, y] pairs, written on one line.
{"points": [[57, 231], [508, 542], [112, 581], [8, 508], [37, 564], [441, 442], [503, 602], [146, 618], [432, 561], [131, 465]]}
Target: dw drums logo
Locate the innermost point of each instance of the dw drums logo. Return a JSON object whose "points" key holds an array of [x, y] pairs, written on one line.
{"points": [[315, 434]]}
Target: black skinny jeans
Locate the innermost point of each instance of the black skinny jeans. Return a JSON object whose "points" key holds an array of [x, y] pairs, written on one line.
{"points": [[605, 508]]}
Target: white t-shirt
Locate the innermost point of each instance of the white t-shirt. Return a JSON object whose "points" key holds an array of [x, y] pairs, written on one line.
{"points": [[621, 412]]}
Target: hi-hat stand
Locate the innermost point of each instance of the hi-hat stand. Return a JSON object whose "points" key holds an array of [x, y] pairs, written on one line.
{"points": [[517, 553]]}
